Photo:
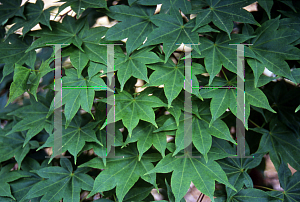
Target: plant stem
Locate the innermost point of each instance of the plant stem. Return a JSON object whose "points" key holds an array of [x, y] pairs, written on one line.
{"points": [[224, 75], [254, 123], [264, 187]]}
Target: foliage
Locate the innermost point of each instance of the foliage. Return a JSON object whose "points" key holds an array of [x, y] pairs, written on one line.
{"points": [[146, 117]]}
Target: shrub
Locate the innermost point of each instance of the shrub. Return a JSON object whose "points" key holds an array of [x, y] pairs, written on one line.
{"points": [[160, 133]]}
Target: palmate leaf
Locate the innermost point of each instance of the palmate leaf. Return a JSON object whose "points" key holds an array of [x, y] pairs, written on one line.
{"points": [[145, 138], [266, 5], [201, 132], [171, 31], [132, 109], [11, 144], [186, 169], [10, 8], [61, 33], [91, 38], [223, 13], [34, 14], [78, 6], [18, 86], [73, 137], [33, 119], [8, 176], [12, 51], [223, 99], [183, 5], [172, 76], [290, 184], [61, 182], [236, 168], [249, 195], [218, 52], [133, 18], [279, 141], [21, 187], [123, 173], [135, 65], [78, 92], [272, 47]]}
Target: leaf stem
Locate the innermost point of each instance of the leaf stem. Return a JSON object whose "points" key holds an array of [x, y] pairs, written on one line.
{"points": [[254, 123], [264, 187], [224, 75]]}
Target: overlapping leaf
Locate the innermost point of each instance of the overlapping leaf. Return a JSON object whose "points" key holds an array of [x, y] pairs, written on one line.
{"points": [[272, 47], [219, 52], [11, 144], [78, 6], [61, 33], [135, 65], [8, 176], [34, 14], [290, 184], [73, 137], [171, 32], [223, 13], [123, 173], [10, 8], [279, 140], [172, 76], [133, 18], [186, 169], [132, 109], [61, 182], [12, 51], [78, 92]]}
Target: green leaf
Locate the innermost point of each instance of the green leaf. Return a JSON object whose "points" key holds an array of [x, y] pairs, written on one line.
{"points": [[12, 51], [135, 65], [10, 8], [297, 109], [133, 18], [73, 137], [249, 195], [61, 33], [36, 76], [61, 182], [290, 184], [8, 176], [145, 138], [123, 173], [11, 145], [130, 109], [171, 194], [223, 13], [203, 175], [271, 47], [172, 76], [78, 92], [78, 6], [90, 49], [21, 187], [236, 168], [266, 5], [183, 5], [171, 32], [19, 85], [279, 140], [33, 119], [218, 52], [34, 14]]}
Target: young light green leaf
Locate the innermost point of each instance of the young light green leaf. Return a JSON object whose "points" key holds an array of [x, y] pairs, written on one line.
{"points": [[19, 85]]}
